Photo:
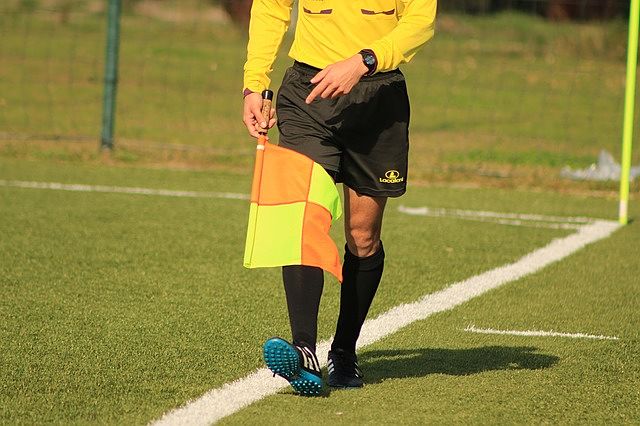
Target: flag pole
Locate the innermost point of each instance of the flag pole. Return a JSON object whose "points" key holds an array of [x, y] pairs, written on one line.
{"points": [[267, 100], [629, 103]]}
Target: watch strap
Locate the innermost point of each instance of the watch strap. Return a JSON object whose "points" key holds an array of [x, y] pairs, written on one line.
{"points": [[372, 67]]}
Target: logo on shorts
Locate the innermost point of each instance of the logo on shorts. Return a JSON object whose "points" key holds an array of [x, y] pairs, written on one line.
{"points": [[392, 176]]}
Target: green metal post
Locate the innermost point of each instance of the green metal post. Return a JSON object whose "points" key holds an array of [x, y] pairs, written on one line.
{"points": [[110, 74], [629, 103]]}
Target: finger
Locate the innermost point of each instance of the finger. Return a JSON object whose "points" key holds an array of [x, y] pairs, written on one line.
{"points": [[318, 77], [337, 93], [272, 121], [251, 129], [261, 130], [328, 92], [258, 128], [316, 91], [253, 132], [259, 118]]}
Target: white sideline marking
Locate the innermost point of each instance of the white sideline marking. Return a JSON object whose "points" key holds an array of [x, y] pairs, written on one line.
{"points": [[473, 329], [530, 220], [516, 219], [231, 397], [424, 211], [121, 190]]}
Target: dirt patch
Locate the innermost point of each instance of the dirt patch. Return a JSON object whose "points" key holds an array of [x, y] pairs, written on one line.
{"points": [[132, 154]]}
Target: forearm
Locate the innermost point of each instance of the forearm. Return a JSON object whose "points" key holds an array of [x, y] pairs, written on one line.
{"points": [[269, 22], [415, 28]]}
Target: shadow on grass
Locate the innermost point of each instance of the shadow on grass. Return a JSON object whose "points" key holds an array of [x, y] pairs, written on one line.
{"points": [[386, 364]]}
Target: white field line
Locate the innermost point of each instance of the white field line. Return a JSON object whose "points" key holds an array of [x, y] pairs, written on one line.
{"points": [[530, 220], [517, 219], [538, 333], [512, 222], [231, 397], [480, 213], [121, 190]]}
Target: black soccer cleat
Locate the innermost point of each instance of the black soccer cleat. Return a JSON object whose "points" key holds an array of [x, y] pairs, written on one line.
{"points": [[343, 370], [297, 364]]}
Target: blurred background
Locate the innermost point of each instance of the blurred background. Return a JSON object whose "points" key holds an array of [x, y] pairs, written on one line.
{"points": [[507, 94]]}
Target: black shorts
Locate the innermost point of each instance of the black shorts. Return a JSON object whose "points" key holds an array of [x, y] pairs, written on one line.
{"points": [[361, 139]]}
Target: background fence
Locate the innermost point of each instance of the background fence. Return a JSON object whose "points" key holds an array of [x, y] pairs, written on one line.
{"points": [[504, 90]]}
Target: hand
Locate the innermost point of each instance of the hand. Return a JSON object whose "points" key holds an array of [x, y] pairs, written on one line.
{"points": [[337, 79], [253, 118]]}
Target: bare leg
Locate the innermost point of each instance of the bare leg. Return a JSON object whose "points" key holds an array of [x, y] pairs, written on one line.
{"points": [[363, 265], [363, 222]]}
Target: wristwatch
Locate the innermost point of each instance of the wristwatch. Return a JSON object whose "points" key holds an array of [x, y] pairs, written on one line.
{"points": [[370, 60]]}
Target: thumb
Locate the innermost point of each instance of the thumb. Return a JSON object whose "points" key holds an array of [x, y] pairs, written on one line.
{"points": [[257, 113]]}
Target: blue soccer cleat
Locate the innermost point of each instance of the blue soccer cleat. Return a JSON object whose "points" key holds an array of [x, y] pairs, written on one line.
{"points": [[298, 365]]}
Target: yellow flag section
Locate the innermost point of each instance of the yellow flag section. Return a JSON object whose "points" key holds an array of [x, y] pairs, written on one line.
{"points": [[293, 203]]}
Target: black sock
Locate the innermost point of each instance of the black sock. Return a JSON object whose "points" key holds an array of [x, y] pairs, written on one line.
{"points": [[361, 276], [303, 289]]}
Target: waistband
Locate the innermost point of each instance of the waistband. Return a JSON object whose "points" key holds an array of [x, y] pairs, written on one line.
{"points": [[310, 71]]}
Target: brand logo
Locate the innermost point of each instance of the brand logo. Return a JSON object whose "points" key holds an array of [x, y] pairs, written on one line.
{"points": [[392, 176]]}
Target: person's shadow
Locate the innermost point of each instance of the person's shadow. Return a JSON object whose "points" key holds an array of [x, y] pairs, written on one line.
{"points": [[379, 365]]}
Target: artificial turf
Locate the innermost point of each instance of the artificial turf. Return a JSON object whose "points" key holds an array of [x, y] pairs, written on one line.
{"points": [[434, 372], [118, 307]]}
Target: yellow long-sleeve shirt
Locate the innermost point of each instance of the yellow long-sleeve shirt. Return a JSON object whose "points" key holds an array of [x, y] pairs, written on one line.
{"points": [[332, 30]]}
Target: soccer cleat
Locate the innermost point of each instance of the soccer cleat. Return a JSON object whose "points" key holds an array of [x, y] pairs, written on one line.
{"points": [[298, 365], [343, 370]]}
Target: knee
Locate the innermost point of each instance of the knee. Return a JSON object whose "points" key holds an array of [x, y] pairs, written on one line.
{"points": [[363, 242]]}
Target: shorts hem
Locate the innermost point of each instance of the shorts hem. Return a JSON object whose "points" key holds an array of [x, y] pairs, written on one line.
{"points": [[332, 168], [374, 192]]}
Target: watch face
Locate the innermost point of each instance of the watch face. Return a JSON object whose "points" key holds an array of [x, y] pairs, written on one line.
{"points": [[369, 60]]}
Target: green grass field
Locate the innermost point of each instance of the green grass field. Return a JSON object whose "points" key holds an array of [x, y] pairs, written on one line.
{"points": [[117, 308]]}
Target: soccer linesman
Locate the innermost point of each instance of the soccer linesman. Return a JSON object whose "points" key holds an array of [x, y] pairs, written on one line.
{"points": [[344, 104]]}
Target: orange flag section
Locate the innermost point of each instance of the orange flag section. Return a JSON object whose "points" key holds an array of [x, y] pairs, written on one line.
{"points": [[293, 203]]}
